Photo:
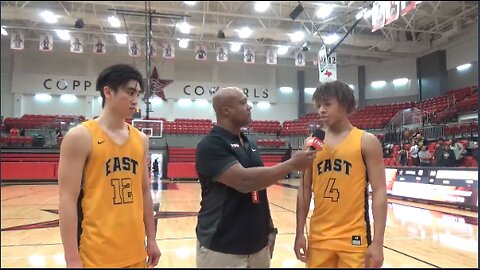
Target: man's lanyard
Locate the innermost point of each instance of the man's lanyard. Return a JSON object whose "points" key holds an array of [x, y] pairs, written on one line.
{"points": [[255, 195]]}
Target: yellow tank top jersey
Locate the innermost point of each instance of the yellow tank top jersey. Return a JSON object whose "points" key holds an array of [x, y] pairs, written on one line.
{"points": [[111, 229], [340, 220]]}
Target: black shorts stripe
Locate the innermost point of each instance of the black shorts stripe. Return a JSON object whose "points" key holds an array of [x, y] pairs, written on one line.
{"points": [[367, 217], [79, 216]]}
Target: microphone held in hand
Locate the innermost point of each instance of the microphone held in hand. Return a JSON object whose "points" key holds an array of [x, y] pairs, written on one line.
{"points": [[316, 141]]}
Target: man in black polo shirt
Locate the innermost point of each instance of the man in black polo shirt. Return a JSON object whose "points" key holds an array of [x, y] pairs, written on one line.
{"points": [[234, 227]]}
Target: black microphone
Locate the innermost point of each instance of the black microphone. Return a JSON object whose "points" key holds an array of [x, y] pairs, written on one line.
{"points": [[316, 141]]}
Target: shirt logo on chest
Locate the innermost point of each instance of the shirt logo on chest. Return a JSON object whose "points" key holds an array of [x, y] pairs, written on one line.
{"points": [[337, 165], [120, 164]]}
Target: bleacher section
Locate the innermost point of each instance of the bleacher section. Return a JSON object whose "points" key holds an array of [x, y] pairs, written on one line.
{"points": [[272, 127], [29, 166], [32, 121], [300, 126], [181, 162], [271, 143], [187, 126]]}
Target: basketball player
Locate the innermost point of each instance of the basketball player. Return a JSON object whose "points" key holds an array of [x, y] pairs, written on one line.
{"points": [[339, 233], [106, 210]]}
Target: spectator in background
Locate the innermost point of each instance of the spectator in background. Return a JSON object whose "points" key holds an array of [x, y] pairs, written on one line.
{"points": [[58, 134], [448, 157], [22, 132], [437, 155], [14, 132], [414, 154], [419, 140], [387, 151], [475, 152], [459, 151], [424, 157], [403, 156]]}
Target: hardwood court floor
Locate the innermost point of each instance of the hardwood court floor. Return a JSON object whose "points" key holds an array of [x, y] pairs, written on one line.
{"points": [[417, 235]]}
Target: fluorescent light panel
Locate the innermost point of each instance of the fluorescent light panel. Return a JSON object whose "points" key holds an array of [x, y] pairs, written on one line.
{"points": [[286, 90], [43, 97], [377, 84], [261, 6], [400, 81], [310, 90], [49, 16], [464, 67], [114, 21], [263, 105], [235, 47], [183, 43]]}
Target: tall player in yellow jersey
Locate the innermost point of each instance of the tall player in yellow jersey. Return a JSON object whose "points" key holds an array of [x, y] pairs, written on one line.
{"points": [[339, 232], [106, 211]]}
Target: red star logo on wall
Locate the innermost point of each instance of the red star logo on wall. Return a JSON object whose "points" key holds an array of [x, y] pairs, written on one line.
{"points": [[157, 85]]}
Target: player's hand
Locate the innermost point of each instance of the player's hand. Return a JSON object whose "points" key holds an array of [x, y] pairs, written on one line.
{"points": [[153, 253], [300, 248], [374, 256], [74, 263]]}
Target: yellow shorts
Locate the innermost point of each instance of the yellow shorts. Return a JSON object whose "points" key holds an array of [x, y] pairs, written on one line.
{"points": [[324, 258], [140, 264]]}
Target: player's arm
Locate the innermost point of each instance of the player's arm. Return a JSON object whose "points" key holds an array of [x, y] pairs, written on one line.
{"points": [[304, 197], [147, 197], [152, 248], [372, 154], [74, 151], [213, 159]]}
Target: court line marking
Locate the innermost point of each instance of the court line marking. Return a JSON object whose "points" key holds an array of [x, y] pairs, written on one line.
{"points": [[405, 254], [413, 257], [403, 204]]}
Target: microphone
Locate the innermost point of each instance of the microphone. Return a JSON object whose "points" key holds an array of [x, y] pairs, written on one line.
{"points": [[316, 141]]}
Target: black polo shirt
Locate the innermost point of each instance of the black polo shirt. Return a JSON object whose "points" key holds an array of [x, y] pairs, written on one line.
{"points": [[229, 221]]}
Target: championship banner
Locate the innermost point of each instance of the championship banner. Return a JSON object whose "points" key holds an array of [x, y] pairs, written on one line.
{"points": [[271, 56], [17, 40], [299, 58], [378, 15], [153, 48], [222, 53], [407, 6], [322, 64], [76, 43], [330, 72], [99, 45], [248, 55], [393, 12], [46, 43], [200, 52], [168, 50], [134, 47]]}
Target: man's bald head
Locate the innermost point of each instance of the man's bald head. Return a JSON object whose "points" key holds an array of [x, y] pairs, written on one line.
{"points": [[230, 105], [225, 97]]}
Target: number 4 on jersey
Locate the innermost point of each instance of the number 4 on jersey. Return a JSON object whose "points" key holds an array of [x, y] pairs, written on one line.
{"points": [[330, 191]]}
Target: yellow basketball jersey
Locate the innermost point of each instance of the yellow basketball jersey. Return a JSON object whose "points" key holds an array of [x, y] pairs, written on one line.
{"points": [[111, 228], [340, 220]]}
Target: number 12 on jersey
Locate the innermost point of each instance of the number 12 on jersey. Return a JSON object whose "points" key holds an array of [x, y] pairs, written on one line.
{"points": [[330, 191], [122, 190]]}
